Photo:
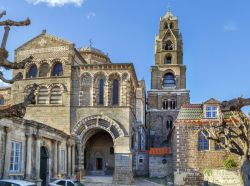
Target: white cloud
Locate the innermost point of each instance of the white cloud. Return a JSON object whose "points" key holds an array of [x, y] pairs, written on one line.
{"points": [[59, 3], [91, 15], [230, 27]]}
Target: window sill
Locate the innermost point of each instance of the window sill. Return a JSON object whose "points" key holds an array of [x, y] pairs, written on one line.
{"points": [[46, 105], [16, 174]]}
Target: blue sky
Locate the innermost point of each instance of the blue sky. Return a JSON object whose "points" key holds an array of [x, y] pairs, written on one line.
{"points": [[216, 36]]}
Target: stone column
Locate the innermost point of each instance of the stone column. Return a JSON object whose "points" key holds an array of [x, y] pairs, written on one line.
{"points": [[69, 159], [55, 173], [58, 160], [73, 160], [7, 153], [80, 163], [28, 155], [38, 154]]}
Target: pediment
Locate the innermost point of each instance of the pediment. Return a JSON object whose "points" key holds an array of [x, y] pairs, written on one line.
{"points": [[43, 40], [212, 101]]}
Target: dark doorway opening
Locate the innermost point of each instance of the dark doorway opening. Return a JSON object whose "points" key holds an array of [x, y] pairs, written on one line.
{"points": [[43, 165], [99, 164]]}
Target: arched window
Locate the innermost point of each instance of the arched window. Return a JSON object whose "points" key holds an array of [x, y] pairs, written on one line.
{"points": [[166, 25], [56, 95], [57, 70], [32, 71], [165, 104], [43, 70], [86, 85], [43, 95], [171, 25], [173, 104], [168, 80], [101, 92], [203, 142], [115, 92], [169, 122], [169, 45], [168, 59], [1, 101]]}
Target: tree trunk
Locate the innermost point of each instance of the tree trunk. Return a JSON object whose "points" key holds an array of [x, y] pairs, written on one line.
{"points": [[245, 171]]}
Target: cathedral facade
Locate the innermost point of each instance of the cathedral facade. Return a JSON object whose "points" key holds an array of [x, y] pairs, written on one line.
{"points": [[96, 106]]}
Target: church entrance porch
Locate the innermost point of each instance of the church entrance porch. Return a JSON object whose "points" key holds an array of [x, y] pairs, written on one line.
{"points": [[103, 148], [99, 156]]}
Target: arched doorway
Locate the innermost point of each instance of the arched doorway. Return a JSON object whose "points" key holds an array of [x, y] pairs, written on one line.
{"points": [[99, 153], [43, 165]]}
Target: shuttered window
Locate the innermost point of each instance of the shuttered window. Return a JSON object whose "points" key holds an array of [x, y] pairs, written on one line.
{"points": [[56, 95], [43, 95]]}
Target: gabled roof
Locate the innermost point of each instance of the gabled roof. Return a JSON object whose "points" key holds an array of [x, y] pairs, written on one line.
{"points": [[48, 36], [212, 101]]}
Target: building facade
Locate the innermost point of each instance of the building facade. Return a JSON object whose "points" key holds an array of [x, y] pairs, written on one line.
{"points": [[98, 105], [197, 160]]}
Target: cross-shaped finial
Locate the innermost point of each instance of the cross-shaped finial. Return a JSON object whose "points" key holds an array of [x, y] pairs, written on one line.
{"points": [[90, 43]]}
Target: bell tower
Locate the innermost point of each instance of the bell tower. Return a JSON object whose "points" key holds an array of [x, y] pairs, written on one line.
{"points": [[168, 81]]}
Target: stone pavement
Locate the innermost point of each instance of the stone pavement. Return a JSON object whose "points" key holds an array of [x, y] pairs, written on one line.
{"points": [[107, 181]]}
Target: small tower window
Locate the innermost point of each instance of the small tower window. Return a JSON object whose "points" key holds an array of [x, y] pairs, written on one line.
{"points": [[168, 59], [32, 71], [57, 70], [171, 25], [165, 104], [169, 45], [169, 122], [165, 25], [169, 80], [173, 104]]}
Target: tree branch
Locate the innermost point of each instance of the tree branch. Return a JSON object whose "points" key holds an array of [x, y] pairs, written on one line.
{"points": [[19, 76], [15, 23]]}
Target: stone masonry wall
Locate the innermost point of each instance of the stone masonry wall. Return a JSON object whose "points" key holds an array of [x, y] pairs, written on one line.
{"points": [[223, 178], [189, 163], [158, 168]]}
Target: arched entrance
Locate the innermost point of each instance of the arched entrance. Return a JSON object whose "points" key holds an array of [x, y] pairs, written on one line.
{"points": [[43, 165], [99, 153]]}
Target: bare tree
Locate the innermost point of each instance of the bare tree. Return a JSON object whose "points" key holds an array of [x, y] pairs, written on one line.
{"points": [[233, 134], [19, 109]]}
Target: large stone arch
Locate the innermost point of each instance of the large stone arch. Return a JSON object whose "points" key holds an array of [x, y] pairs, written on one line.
{"points": [[82, 128], [88, 129]]}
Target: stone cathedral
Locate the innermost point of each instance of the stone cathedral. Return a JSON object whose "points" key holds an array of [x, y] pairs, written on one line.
{"points": [[90, 116]]}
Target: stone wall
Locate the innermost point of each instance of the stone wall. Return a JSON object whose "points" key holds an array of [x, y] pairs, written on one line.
{"points": [[189, 163], [160, 166], [5, 93], [142, 164], [123, 169], [223, 178]]}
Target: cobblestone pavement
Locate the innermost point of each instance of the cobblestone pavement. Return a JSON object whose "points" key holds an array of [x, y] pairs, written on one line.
{"points": [[107, 181]]}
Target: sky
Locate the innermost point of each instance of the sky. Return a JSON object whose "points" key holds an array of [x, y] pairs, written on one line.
{"points": [[216, 36]]}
